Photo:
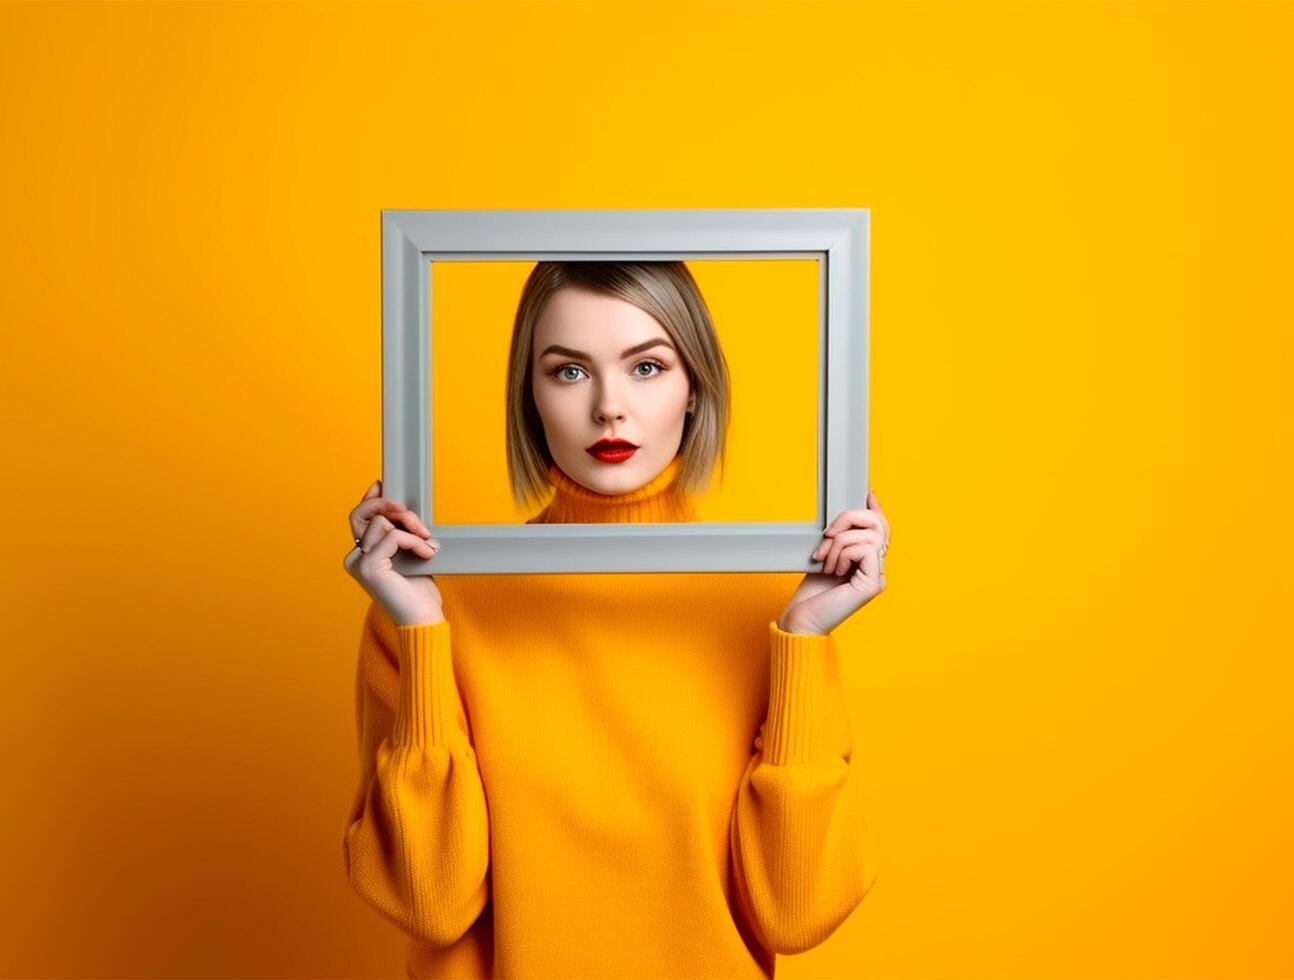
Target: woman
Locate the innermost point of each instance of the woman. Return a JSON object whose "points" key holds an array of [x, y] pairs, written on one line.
{"points": [[607, 775]]}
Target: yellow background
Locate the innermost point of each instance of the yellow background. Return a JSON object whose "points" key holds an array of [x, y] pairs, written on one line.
{"points": [[765, 315], [1072, 699]]}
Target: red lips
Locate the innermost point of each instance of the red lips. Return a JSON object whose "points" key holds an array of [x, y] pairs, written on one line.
{"points": [[612, 450]]}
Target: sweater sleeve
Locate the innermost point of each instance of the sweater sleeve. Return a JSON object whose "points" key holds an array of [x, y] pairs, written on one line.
{"points": [[801, 854], [416, 845]]}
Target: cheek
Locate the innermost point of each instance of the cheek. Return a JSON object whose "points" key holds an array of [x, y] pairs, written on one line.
{"points": [[542, 392], [676, 399], [554, 409], [545, 407]]}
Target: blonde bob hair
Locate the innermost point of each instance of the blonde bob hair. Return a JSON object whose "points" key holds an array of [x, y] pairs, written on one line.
{"points": [[666, 291]]}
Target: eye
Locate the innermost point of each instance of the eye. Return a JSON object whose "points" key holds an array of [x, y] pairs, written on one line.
{"points": [[559, 371]]}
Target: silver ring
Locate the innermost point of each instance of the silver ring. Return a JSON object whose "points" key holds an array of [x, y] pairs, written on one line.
{"points": [[357, 544]]}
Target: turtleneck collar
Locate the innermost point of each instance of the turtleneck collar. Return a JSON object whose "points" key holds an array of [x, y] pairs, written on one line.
{"points": [[657, 501]]}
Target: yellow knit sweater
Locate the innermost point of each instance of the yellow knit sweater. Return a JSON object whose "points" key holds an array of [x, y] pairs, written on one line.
{"points": [[605, 775]]}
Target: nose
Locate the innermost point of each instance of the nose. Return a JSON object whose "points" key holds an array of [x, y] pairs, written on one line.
{"points": [[608, 406]]}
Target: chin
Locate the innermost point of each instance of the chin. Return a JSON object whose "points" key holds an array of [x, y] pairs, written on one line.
{"points": [[622, 478]]}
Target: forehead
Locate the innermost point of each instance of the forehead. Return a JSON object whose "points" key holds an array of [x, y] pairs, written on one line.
{"points": [[593, 322]]}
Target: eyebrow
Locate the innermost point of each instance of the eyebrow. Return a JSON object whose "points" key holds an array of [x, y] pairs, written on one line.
{"points": [[629, 352]]}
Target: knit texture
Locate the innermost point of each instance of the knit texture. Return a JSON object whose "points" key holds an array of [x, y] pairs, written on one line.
{"points": [[605, 775], [655, 502]]}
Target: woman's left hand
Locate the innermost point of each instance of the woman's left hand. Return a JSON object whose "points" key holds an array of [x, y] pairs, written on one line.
{"points": [[853, 572]]}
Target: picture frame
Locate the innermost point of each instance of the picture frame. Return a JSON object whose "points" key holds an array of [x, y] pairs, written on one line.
{"points": [[838, 238]]}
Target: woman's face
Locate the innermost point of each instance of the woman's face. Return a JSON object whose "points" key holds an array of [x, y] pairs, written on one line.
{"points": [[604, 369]]}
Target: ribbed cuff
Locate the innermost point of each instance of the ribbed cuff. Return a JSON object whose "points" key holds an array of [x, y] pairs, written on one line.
{"points": [[427, 706], [796, 728]]}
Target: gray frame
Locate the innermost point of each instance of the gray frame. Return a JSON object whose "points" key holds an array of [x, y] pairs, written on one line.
{"points": [[837, 237]]}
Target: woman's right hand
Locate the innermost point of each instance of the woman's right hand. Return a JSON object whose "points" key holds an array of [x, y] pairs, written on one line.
{"points": [[408, 601]]}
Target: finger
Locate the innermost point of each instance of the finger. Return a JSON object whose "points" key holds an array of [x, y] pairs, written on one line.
{"points": [[828, 562], [356, 518], [869, 564], [835, 554], [848, 556], [392, 509], [874, 505], [410, 518], [373, 533], [378, 528], [853, 518], [854, 541], [857, 558], [844, 562], [395, 540], [381, 505], [834, 547], [853, 536]]}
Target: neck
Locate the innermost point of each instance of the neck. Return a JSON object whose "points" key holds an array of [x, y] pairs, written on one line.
{"points": [[657, 501]]}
